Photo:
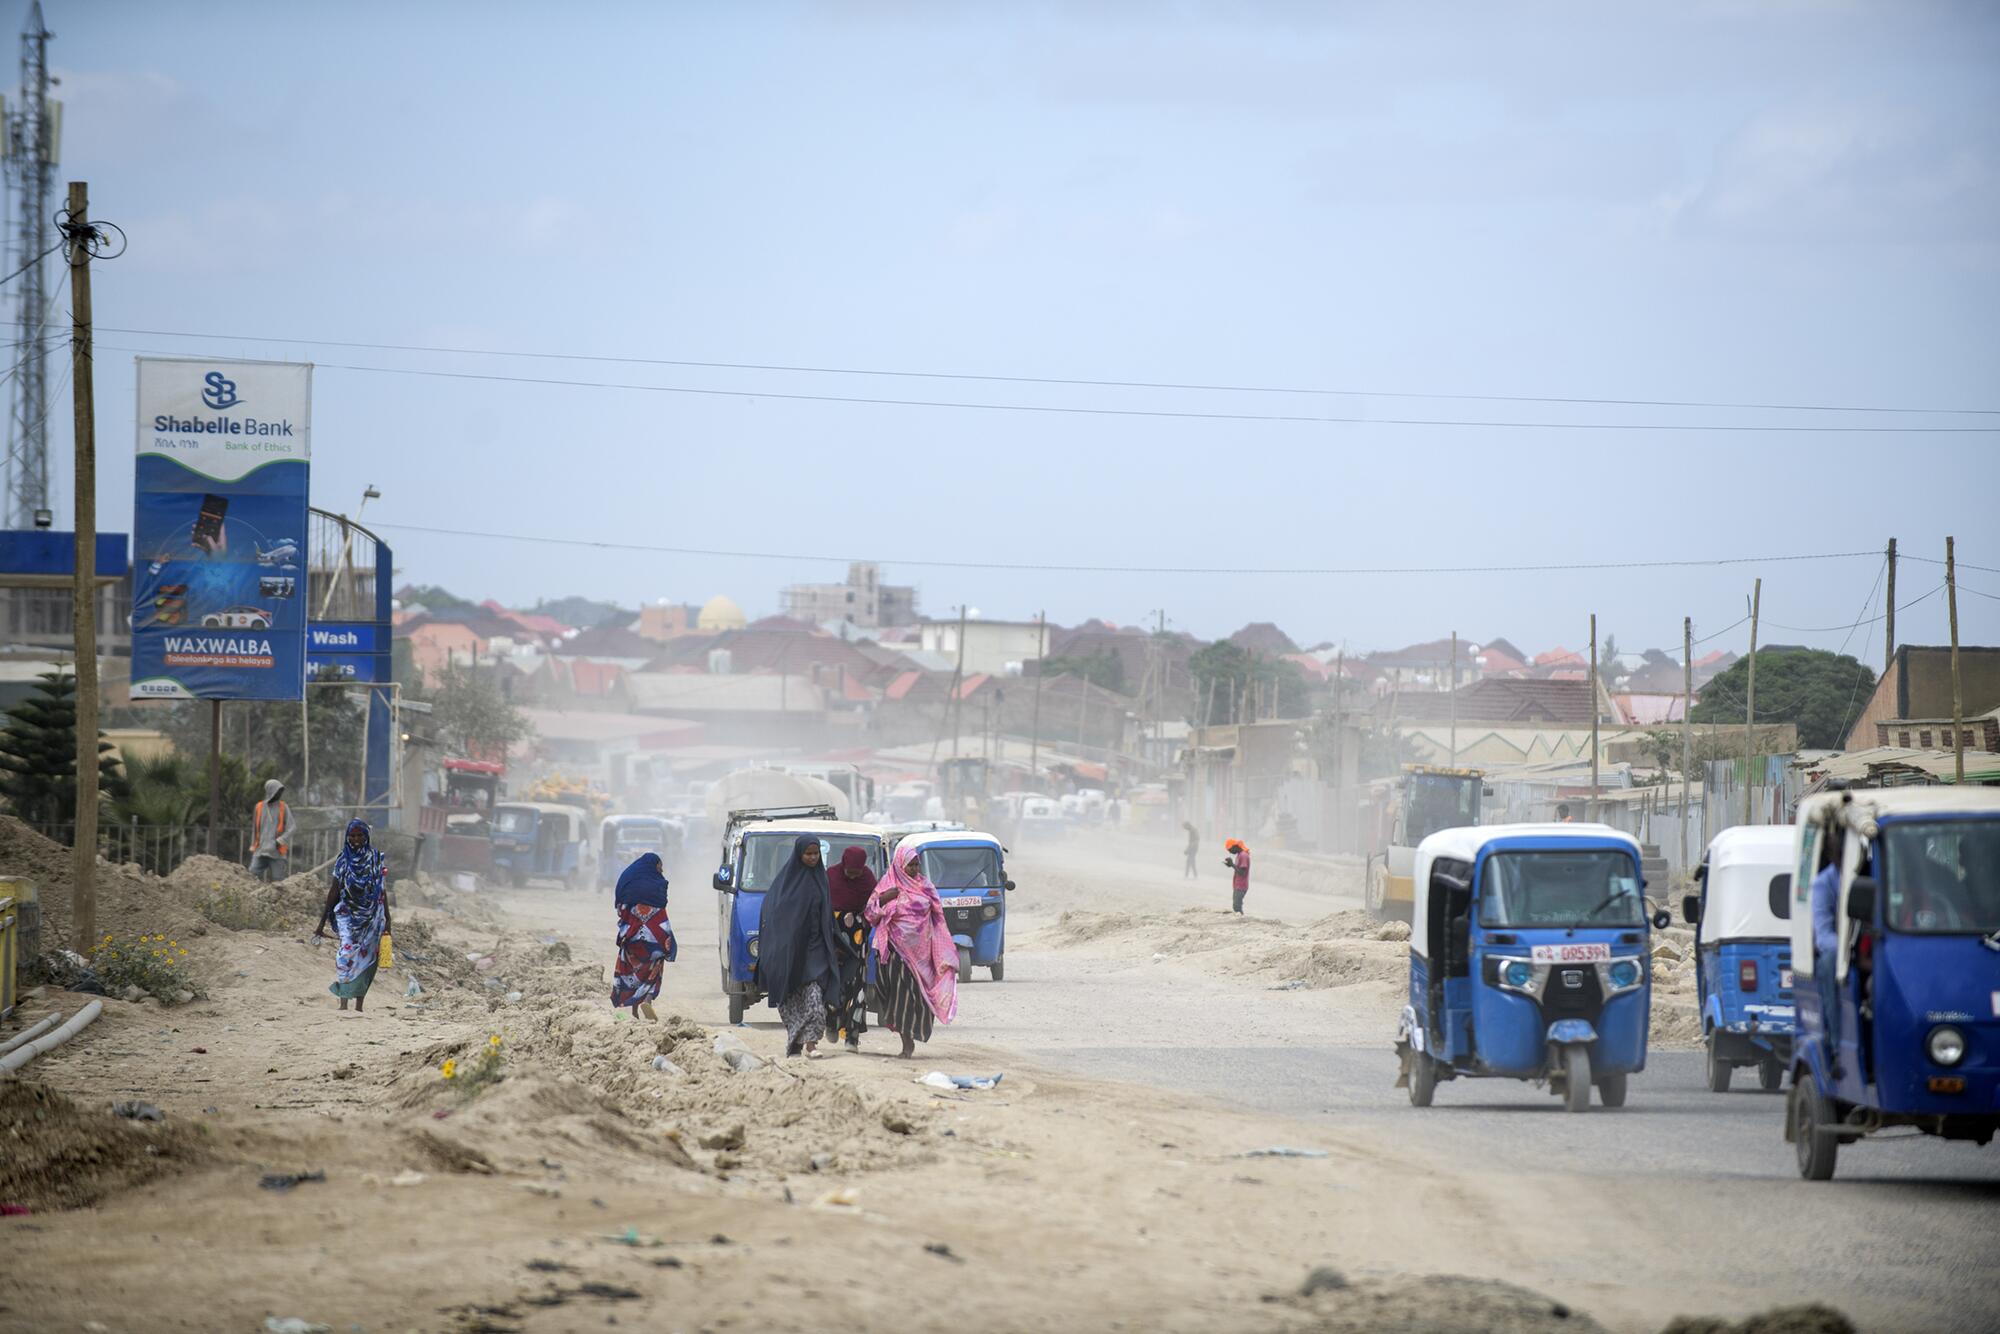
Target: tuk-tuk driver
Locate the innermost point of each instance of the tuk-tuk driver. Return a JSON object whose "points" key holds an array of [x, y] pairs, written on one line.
{"points": [[1826, 942]]}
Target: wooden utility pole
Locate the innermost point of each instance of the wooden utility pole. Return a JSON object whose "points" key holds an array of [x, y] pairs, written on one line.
{"points": [[1339, 750], [1590, 812], [958, 684], [1889, 629], [1957, 688], [1454, 699], [1687, 728], [215, 767], [1035, 727], [1750, 705], [83, 609]]}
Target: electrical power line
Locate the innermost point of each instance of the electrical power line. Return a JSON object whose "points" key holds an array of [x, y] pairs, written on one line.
{"points": [[1933, 560], [1031, 567], [1068, 381], [1071, 410]]}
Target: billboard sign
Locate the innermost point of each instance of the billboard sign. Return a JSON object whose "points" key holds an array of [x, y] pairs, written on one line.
{"points": [[219, 577]]}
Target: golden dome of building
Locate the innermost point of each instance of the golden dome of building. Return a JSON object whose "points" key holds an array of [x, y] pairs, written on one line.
{"points": [[720, 613]]}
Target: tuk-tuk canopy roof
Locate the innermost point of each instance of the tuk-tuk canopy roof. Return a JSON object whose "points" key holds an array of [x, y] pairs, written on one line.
{"points": [[1466, 843], [1741, 863], [631, 817], [823, 828], [949, 838], [542, 809], [1863, 808]]}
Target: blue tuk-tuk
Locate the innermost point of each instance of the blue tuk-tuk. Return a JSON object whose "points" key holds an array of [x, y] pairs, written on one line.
{"points": [[1899, 1025], [969, 871], [1528, 960], [1743, 952], [622, 839], [756, 844], [538, 840]]}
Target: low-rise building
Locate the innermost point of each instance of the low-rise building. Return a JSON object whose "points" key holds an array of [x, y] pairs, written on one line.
{"points": [[1912, 708]]}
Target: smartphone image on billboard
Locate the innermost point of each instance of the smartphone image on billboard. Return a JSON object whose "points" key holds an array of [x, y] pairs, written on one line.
{"points": [[208, 524]]}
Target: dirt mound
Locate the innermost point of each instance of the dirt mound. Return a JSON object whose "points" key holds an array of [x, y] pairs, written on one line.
{"points": [[1813, 1319], [57, 1155], [129, 900], [1430, 1304]]}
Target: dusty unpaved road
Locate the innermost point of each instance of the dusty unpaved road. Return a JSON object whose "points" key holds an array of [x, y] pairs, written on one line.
{"points": [[1105, 1184]]}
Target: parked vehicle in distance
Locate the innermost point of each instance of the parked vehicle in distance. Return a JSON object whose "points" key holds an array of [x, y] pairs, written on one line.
{"points": [[1743, 952], [539, 840], [1899, 1024], [237, 618], [623, 839]]}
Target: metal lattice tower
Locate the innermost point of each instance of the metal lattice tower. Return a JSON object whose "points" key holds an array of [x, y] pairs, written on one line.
{"points": [[32, 140]]}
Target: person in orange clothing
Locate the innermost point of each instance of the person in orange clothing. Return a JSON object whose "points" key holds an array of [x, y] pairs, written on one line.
{"points": [[1238, 861], [271, 833]]}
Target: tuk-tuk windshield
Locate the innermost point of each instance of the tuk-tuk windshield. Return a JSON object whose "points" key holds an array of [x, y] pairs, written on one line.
{"points": [[1598, 887], [764, 855], [1943, 876], [639, 834], [962, 868], [1440, 801], [514, 821]]}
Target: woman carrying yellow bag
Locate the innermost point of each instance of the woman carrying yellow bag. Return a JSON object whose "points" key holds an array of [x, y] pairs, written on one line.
{"points": [[357, 905]]}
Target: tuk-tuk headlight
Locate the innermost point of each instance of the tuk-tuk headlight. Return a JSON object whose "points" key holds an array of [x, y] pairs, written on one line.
{"points": [[751, 945], [1517, 973], [990, 911], [1946, 1045], [1625, 973]]}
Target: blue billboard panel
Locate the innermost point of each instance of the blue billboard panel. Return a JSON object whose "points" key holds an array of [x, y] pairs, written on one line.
{"points": [[219, 580]]}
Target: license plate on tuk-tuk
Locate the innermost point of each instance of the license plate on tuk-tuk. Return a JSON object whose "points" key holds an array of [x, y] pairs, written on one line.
{"points": [[1581, 952]]}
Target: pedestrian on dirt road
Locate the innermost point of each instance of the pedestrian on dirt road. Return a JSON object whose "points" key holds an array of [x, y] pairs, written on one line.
{"points": [[796, 950], [918, 978], [848, 886], [1193, 847], [271, 832], [357, 905], [645, 937], [1238, 862]]}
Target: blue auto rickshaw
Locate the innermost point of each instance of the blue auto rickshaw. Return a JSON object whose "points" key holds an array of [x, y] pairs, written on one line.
{"points": [[622, 839], [1899, 1022], [1529, 960], [1743, 952], [537, 840], [756, 844], [969, 872]]}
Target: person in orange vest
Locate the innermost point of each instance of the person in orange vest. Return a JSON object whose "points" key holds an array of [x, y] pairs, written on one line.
{"points": [[270, 834]]}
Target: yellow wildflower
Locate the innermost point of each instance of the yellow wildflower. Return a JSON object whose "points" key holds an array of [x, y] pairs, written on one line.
{"points": [[494, 1042], [449, 1068]]}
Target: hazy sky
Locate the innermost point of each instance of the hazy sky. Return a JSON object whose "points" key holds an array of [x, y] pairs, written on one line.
{"points": [[1789, 203]]}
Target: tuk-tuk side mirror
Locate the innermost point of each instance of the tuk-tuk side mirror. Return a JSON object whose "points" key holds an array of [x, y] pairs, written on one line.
{"points": [[1691, 909], [1662, 920], [722, 877], [1861, 899], [1007, 885]]}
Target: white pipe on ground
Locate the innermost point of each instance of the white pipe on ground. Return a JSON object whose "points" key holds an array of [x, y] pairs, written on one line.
{"points": [[31, 1032], [83, 1018]]}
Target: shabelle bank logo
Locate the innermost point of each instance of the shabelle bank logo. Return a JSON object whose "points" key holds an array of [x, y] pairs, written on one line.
{"points": [[221, 391]]}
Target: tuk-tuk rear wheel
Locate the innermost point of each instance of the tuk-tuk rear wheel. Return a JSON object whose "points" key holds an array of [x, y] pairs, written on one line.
{"points": [[1423, 1079], [1718, 1070], [737, 1004], [1611, 1090], [1576, 1077], [1811, 1111], [998, 970], [1771, 1074]]}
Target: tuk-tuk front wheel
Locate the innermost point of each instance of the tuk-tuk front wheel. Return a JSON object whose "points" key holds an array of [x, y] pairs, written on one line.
{"points": [[1576, 1077], [1423, 1079], [1812, 1122], [1771, 1074], [1611, 1090], [964, 964], [737, 1005]]}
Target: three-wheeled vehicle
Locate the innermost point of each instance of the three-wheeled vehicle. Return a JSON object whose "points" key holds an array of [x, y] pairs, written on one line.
{"points": [[1899, 1023], [969, 871], [1528, 960], [623, 838], [539, 840], [756, 844], [1743, 945]]}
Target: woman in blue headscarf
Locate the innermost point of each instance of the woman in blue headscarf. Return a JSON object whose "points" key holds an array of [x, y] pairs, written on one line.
{"points": [[645, 936], [357, 905]]}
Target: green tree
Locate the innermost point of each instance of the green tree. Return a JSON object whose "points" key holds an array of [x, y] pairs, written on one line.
{"points": [[470, 715], [38, 754], [1104, 668], [1222, 670], [1817, 691], [270, 737]]}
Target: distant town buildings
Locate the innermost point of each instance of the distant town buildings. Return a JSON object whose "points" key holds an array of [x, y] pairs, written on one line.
{"points": [[863, 601]]}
